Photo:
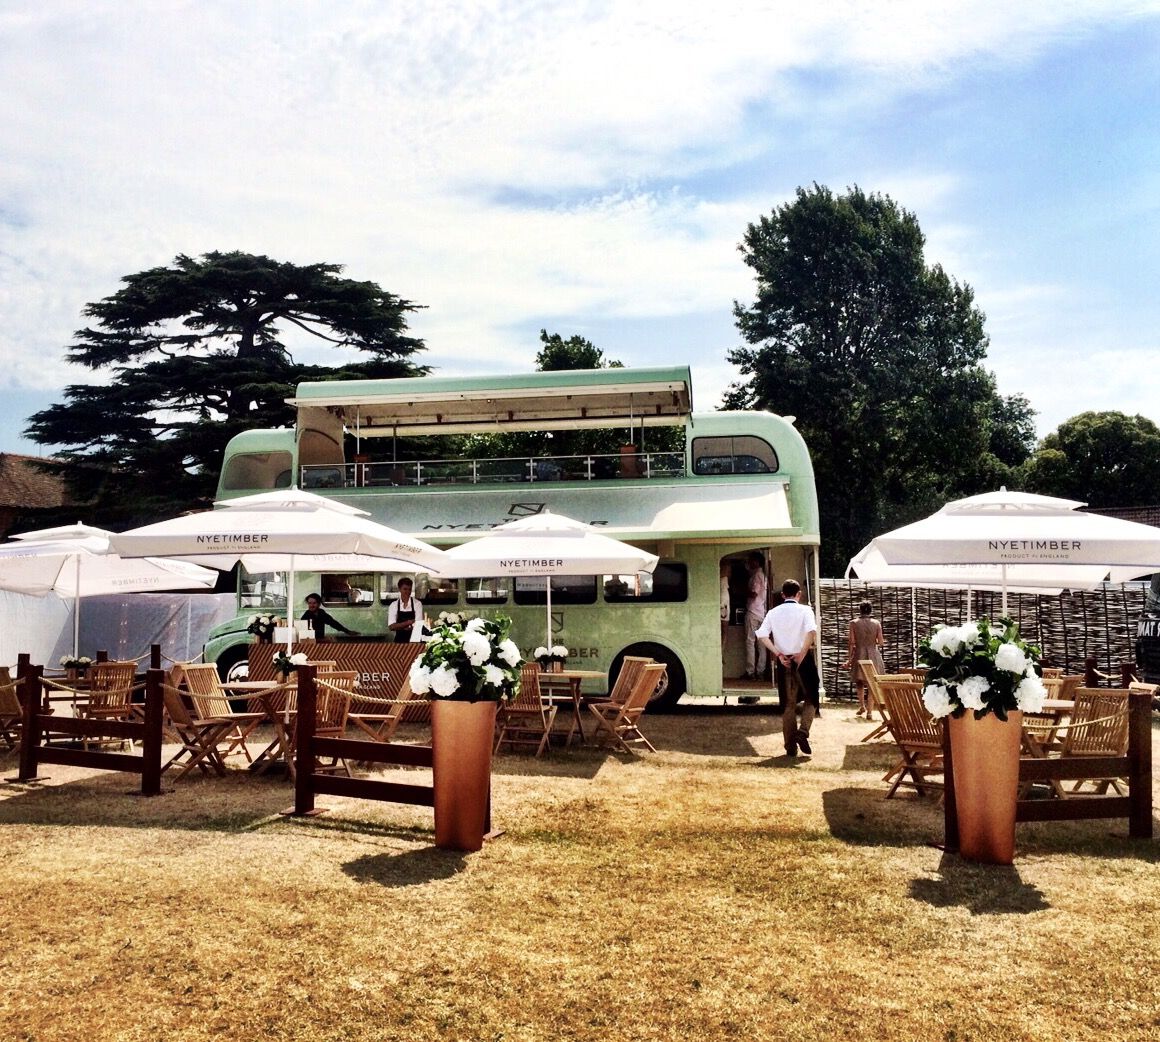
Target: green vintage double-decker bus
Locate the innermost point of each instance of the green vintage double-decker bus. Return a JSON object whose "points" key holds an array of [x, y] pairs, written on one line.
{"points": [[736, 482]]}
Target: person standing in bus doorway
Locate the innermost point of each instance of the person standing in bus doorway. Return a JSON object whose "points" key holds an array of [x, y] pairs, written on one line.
{"points": [[789, 632], [405, 616], [319, 618], [724, 605], [756, 660], [866, 642]]}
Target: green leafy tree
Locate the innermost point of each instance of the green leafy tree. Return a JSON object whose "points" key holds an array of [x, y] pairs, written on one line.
{"points": [[879, 356], [1104, 459], [555, 355], [192, 354]]}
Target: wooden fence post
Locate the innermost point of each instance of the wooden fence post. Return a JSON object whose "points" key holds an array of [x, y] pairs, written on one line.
{"points": [[151, 745], [1090, 674], [30, 731], [154, 656], [304, 741], [1140, 764], [1127, 673]]}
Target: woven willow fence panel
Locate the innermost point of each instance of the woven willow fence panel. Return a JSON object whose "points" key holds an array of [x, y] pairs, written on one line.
{"points": [[1068, 627]]}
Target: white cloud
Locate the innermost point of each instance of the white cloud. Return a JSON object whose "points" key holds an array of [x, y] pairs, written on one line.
{"points": [[501, 163]]}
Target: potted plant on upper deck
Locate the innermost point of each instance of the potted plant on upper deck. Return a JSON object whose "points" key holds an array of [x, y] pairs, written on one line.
{"points": [[984, 677], [466, 669]]}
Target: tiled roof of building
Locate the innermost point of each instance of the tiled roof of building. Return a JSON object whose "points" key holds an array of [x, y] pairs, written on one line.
{"points": [[1141, 515], [25, 486]]}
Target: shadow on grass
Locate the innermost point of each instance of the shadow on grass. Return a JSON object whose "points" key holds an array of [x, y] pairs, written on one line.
{"points": [[863, 817], [981, 889], [408, 868], [873, 756]]}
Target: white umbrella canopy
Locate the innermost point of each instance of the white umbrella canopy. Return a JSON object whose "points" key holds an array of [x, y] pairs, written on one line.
{"points": [[870, 566], [545, 544], [76, 561], [1007, 529], [288, 529]]}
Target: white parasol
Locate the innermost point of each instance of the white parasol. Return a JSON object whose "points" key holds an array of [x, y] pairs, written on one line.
{"points": [[545, 544], [1007, 530], [288, 529], [76, 561]]}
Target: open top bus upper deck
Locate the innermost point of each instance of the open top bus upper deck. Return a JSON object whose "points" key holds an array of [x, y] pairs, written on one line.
{"points": [[737, 475]]}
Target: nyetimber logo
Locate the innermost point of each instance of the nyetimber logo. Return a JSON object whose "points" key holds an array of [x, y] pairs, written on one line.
{"points": [[233, 539], [1038, 545], [545, 563]]}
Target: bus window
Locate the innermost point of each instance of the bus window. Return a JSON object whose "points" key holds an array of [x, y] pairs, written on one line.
{"points": [[566, 589], [257, 470], [745, 454], [669, 583], [347, 588], [262, 590], [428, 590], [486, 591]]}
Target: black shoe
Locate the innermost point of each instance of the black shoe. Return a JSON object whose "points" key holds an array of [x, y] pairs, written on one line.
{"points": [[747, 676], [803, 740], [747, 700], [791, 750]]}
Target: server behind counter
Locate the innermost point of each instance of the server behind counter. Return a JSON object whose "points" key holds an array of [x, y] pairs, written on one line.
{"points": [[319, 618], [405, 617]]}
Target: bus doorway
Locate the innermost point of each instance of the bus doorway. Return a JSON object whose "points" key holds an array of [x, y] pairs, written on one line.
{"points": [[736, 578]]}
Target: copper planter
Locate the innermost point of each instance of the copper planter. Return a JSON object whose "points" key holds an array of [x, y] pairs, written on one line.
{"points": [[985, 754], [461, 739]]}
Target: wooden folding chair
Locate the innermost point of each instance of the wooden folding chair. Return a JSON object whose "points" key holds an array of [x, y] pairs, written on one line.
{"points": [[630, 670], [379, 717], [620, 722], [872, 676], [109, 686], [211, 700], [335, 689], [199, 738], [11, 714], [527, 719], [915, 732], [1097, 726]]}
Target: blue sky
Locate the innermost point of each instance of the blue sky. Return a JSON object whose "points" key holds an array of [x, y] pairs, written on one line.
{"points": [[586, 168]]}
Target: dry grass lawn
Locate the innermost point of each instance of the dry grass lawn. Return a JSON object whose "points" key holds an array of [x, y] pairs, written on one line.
{"points": [[711, 891]]}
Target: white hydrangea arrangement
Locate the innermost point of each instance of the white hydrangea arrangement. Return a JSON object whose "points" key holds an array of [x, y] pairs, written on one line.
{"points": [[286, 664], [262, 626], [545, 655], [75, 661], [469, 661], [981, 667]]}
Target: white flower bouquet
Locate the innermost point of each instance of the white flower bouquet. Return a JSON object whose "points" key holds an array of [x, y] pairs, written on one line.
{"points": [[262, 626], [546, 656], [982, 667], [474, 661], [286, 664], [75, 661]]}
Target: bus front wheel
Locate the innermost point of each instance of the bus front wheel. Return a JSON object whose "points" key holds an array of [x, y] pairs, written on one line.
{"points": [[671, 688], [234, 665]]}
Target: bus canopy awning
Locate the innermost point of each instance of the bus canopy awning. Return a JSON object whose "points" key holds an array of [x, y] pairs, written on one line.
{"points": [[563, 400], [688, 510]]}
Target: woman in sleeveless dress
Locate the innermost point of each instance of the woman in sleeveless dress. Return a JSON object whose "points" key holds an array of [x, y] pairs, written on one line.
{"points": [[866, 642]]}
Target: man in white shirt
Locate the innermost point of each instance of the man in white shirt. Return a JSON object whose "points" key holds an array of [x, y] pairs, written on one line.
{"points": [[789, 632]]}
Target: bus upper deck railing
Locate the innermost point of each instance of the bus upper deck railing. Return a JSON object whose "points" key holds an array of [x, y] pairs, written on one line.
{"points": [[593, 467]]}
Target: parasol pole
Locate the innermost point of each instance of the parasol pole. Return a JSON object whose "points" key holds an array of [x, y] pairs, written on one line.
{"points": [[290, 609], [1003, 572], [76, 605], [548, 590]]}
